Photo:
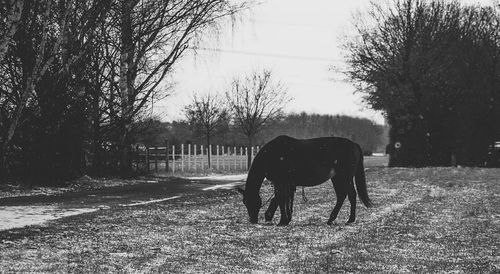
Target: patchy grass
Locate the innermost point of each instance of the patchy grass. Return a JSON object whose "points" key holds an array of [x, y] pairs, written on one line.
{"points": [[81, 184], [425, 220]]}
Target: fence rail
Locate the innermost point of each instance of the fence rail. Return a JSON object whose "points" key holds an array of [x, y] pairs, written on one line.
{"points": [[189, 158]]}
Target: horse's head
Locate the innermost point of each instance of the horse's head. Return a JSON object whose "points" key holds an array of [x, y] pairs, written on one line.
{"points": [[252, 203]]}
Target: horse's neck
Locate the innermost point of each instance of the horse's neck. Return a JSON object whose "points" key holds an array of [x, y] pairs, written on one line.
{"points": [[254, 180]]}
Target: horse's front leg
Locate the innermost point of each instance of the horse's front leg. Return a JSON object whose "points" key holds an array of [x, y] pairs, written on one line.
{"points": [[285, 201], [273, 205]]}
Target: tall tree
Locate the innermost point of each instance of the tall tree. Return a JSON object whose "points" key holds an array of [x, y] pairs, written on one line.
{"points": [[207, 115], [422, 63], [36, 58], [255, 100]]}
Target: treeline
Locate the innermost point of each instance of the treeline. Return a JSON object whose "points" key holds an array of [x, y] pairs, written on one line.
{"points": [[75, 77], [371, 136], [433, 67]]}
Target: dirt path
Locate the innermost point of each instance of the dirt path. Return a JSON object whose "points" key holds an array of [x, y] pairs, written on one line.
{"points": [[16, 212]]}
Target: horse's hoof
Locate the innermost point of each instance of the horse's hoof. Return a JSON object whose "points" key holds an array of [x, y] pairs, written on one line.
{"points": [[350, 222], [282, 224]]}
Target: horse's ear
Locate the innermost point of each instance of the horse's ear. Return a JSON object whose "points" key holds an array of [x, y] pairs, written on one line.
{"points": [[241, 190]]}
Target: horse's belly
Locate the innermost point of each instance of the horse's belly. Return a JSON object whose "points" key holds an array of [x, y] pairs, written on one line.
{"points": [[314, 178], [303, 174]]}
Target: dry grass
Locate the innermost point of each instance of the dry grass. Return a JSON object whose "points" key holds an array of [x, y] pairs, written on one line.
{"points": [[425, 220]]}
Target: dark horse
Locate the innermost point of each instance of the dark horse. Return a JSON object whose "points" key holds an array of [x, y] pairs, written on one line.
{"points": [[288, 162]]}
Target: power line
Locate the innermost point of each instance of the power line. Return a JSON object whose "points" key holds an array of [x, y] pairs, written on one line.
{"points": [[292, 24], [273, 55]]}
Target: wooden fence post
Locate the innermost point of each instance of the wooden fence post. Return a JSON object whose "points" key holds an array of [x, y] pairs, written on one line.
{"points": [[223, 159], [147, 159], [202, 157], [252, 155], [189, 157], [235, 156], [246, 157], [217, 156], [195, 158], [210, 162], [166, 156], [173, 158], [241, 159], [230, 154], [182, 157], [155, 156]]}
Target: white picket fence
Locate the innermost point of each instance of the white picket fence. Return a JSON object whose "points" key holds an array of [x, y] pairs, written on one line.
{"points": [[192, 158]]}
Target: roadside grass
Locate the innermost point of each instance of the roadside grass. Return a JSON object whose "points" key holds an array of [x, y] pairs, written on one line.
{"points": [[425, 220], [86, 183]]}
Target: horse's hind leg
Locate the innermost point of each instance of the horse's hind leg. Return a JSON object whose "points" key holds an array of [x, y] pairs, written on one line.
{"points": [[341, 193], [352, 200], [273, 205]]}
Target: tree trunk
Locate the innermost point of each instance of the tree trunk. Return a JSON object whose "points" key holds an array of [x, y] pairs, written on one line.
{"points": [[127, 80], [97, 151], [125, 163], [30, 86], [209, 152]]}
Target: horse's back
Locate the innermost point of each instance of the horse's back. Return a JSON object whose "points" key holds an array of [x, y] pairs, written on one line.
{"points": [[287, 142], [322, 147]]}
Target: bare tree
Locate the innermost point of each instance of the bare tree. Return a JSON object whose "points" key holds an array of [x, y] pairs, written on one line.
{"points": [[254, 101], [208, 115], [153, 35]]}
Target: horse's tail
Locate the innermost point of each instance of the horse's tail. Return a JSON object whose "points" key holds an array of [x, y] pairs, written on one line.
{"points": [[360, 179]]}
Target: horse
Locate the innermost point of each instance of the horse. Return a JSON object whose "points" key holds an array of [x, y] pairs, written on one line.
{"points": [[288, 162]]}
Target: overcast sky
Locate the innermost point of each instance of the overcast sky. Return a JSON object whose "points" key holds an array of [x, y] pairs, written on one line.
{"points": [[300, 41]]}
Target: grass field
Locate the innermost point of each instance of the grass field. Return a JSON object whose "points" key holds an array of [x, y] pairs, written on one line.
{"points": [[425, 220]]}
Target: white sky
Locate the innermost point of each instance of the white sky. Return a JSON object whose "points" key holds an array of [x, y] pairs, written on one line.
{"points": [[300, 41]]}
